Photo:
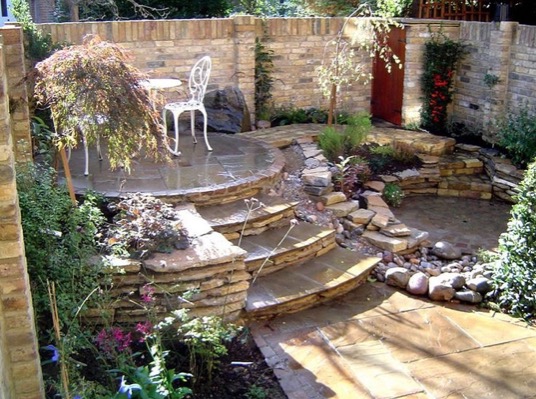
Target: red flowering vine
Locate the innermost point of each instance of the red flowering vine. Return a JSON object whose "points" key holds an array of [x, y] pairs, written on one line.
{"points": [[441, 56]]}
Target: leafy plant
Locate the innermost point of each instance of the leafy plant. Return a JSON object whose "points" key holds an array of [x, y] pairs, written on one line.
{"points": [[393, 194], [491, 80], [42, 139], [59, 241], [336, 144], [83, 85], [440, 59], [264, 67], [515, 274], [383, 150], [351, 172], [144, 224], [256, 392], [205, 338], [38, 45], [331, 141], [517, 134], [393, 8]]}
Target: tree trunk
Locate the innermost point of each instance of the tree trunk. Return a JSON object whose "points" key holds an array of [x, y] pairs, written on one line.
{"points": [[332, 104]]}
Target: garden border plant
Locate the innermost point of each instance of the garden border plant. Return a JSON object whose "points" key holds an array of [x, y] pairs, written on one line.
{"points": [[515, 272], [440, 60]]}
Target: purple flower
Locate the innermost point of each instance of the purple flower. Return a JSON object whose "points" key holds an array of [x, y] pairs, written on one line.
{"points": [[55, 353]]}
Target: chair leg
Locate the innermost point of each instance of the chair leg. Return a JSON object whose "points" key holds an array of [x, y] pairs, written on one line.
{"points": [[176, 123], [175, 151], [192, 125], [205, 128]]}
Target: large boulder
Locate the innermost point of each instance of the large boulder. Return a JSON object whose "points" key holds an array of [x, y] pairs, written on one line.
{"points": [[227, 111]]}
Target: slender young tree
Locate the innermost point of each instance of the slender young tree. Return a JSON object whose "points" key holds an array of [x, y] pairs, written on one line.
{"points": [[343, 65]]}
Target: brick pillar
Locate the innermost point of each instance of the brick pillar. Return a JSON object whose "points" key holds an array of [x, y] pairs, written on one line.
{"points": [[245, 34], [19, 358], [15, 65], [496, 97]]}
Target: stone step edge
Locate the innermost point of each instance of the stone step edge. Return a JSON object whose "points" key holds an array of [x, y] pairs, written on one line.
{"points": [[271, 216], [313, 247], [308, 300]]}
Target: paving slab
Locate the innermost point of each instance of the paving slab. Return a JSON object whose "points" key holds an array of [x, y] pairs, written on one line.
{"points": [[394, 345]]}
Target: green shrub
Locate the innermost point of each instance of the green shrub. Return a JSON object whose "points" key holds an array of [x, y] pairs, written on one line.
{"points": [[393, 194], [331, 142], [357, 130], [403, 152], [517, 134], [264, 67], [383, 150], [515, 274], [59, 240], [288, 116], [337, 144]]}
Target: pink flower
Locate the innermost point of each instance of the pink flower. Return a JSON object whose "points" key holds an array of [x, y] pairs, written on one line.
{"points": [[144, 329], [147, 293]]}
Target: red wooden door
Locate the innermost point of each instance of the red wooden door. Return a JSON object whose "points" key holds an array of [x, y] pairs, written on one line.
{"points": [[388, 87]]}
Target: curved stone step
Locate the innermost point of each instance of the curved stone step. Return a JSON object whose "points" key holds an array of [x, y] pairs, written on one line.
{"points": [[308, 284], [304, 241], [229, 219]]}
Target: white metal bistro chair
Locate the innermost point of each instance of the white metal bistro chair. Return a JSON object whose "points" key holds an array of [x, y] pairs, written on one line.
{"points": [[197, 85]]}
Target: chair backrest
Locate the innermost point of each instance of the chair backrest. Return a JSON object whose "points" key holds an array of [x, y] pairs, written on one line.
{"points": [[199, 78]]}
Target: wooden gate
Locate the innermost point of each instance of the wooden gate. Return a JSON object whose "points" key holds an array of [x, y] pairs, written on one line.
{"points": [[388, 87]]}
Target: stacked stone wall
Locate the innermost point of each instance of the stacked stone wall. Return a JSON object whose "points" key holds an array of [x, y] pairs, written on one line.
{"points": [[19, 359]]}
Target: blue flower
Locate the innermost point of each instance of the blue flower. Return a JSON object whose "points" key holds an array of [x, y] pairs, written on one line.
{"points": [[55, 353], [128, 389], [78, 397]]}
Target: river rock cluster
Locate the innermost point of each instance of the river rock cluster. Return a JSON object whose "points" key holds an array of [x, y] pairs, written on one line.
{"points": [[439, 272]]}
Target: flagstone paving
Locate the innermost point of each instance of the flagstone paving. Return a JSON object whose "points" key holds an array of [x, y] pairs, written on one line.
{"points": [[377, 342]]}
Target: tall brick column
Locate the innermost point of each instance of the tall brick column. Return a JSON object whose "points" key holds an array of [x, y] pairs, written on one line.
{"points": [[20, 368], [245, 34], [500, 45], [15, 65]]}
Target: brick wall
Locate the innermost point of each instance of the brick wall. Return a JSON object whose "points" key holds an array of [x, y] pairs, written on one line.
{"points": [[20, 370], [18, 94], [169, 48], [299, 47], [505, 50], [522, 76]]}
